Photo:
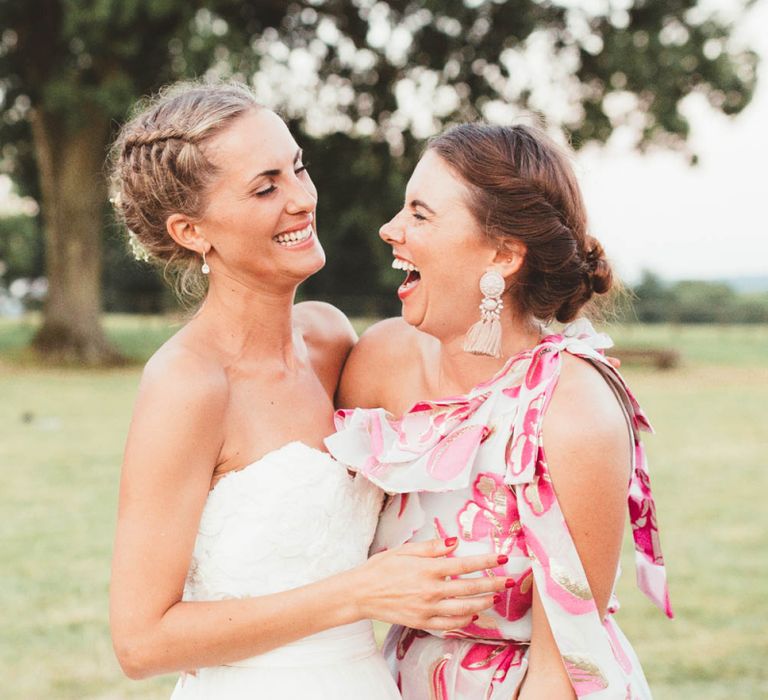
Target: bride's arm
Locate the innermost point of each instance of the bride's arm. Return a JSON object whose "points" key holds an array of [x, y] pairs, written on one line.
{"points": [[174, 441]]}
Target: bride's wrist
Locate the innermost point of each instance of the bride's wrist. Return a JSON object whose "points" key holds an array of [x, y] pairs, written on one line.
{"points": [[349, 594]]}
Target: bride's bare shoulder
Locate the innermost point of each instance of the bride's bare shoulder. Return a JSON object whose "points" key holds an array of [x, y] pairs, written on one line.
{"points": [[180, 368], [325, 325], [329, 337]]}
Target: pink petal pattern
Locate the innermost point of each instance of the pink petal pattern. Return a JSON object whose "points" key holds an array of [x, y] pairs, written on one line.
{"points": [[473, 466]]}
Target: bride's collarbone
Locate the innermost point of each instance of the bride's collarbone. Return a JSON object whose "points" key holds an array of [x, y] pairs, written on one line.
{"points": [[275, 412], [266, 424]]}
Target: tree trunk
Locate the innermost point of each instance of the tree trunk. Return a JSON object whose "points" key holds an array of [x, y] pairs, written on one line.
{"points": [[70, 155]]}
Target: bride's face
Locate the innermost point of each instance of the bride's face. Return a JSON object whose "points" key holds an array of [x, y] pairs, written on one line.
{"points": [[260, 214]]}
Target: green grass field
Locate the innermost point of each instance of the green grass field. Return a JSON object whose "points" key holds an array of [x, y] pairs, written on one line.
{"points": [[61, 437]]}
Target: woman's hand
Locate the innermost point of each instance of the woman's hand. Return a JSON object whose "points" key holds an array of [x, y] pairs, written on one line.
{"points": [[415, 585]]}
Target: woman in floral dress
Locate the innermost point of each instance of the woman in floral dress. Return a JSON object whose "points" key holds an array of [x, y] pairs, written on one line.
{"points": [[535, 453]]}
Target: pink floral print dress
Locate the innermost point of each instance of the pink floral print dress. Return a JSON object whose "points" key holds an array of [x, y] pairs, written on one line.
{"points": [[474, 467]]}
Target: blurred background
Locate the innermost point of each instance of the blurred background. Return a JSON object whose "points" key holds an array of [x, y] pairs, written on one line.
{"points": [[665, 104]]}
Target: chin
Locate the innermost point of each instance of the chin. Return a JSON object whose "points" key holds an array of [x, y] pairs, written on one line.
{"points": [[412, 317], [312, 263], [319, 259]]}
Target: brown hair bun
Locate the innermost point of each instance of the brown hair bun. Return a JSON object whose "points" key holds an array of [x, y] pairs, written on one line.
{"points": [[522, 187]]}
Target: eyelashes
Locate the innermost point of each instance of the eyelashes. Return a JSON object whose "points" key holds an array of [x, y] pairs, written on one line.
{"points": [[269, 190]]}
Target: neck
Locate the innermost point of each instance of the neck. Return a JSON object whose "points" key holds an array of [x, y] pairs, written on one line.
{"points": [[245, 321], [459, 370]]}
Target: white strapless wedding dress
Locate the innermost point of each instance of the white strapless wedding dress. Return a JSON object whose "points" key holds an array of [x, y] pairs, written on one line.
{"points": [[293, 517]]}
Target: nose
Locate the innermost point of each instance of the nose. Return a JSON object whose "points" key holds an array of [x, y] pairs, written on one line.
{"points": [[392, 232], [302, 196]]}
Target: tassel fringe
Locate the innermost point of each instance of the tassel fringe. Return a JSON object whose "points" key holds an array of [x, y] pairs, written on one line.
{"points": [[484, 337]]}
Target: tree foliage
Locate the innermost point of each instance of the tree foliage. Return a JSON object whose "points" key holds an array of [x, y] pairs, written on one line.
{"points": [[362, 82], [695, 301]]}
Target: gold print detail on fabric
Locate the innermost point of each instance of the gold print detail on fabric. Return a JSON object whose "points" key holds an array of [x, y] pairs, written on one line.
{"points": [[647, 512], [560, 575], [526, 583], [486, 622], [582, 668], [488, 660], [436, 689], [516, 660], [658, 559], [493, 494], [532, 495], [467, 520]]}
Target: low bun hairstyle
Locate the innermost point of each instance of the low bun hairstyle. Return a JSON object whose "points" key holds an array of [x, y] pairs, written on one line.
{"points": [[158, 167], [522, 187]]}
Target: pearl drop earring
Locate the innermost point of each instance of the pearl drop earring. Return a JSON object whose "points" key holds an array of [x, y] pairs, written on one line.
{"points": [[206, 268]]}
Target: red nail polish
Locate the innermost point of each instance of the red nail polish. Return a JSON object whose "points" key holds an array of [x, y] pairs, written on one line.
{"points": [[509, 583], [450, 541], [503, 559], [475, 617], [496, 599]]}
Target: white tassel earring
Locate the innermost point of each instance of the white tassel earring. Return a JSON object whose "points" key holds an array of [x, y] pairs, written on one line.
{"points": [[484, 338], [206, 268]]}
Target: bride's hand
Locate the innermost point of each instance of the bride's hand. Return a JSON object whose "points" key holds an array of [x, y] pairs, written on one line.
{"points": [[415, 585]]}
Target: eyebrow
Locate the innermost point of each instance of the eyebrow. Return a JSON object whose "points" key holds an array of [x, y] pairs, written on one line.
{"points": [[276, 171], [418, 203]]}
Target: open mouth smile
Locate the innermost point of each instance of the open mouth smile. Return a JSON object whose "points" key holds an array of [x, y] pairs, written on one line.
{"points": [[412, 279], [294, 238]]}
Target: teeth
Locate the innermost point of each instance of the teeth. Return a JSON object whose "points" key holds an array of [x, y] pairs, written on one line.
{"points": [[289, 239], [400, 264]]}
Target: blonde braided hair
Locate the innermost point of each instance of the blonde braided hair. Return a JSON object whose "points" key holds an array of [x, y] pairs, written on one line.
{"points": [[158, 167]]}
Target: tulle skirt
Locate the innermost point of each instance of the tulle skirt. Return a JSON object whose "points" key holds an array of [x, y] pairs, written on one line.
{"points": [[342, 662]]}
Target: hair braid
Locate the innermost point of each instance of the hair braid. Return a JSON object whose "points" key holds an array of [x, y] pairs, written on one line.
{"points": [[159, 167]]}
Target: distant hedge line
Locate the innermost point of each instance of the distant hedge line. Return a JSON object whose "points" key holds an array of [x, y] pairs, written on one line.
{"points": [[654, 301]]}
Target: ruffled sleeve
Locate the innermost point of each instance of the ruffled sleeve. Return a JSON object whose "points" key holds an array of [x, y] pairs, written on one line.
{"points": [[431, 448]]}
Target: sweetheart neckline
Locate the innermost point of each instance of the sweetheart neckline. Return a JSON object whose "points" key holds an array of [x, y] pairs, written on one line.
{"points": [[270, 453]]}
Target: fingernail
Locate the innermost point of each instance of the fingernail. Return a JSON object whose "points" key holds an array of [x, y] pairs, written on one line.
{"points": [[503, 559], [496, 599], [475, 617], [450, 541], [509, 583]]}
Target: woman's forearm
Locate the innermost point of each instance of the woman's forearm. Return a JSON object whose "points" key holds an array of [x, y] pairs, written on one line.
{"points": [[193, 635], [414, 584]]}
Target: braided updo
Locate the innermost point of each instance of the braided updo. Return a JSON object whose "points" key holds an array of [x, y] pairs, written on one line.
{"points": [[522, 187], [159, 167]]}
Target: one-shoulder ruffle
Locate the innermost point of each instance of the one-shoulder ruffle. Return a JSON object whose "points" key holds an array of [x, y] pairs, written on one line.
{"points": [[495, 431]]}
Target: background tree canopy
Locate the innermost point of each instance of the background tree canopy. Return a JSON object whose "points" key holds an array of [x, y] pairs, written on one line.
{"points": [[361, 83]]}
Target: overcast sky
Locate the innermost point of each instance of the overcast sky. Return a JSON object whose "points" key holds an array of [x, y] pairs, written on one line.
{"points": [[708, 221]]}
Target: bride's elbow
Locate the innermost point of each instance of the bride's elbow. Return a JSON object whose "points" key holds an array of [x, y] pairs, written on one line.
{"points": [[133, 657]]}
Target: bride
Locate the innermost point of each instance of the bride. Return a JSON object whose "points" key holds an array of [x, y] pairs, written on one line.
{"points": [[241, 546]]}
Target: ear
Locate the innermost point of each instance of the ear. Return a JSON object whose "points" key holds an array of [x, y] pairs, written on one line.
{"points": [[509, 258], [184, 231]]}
